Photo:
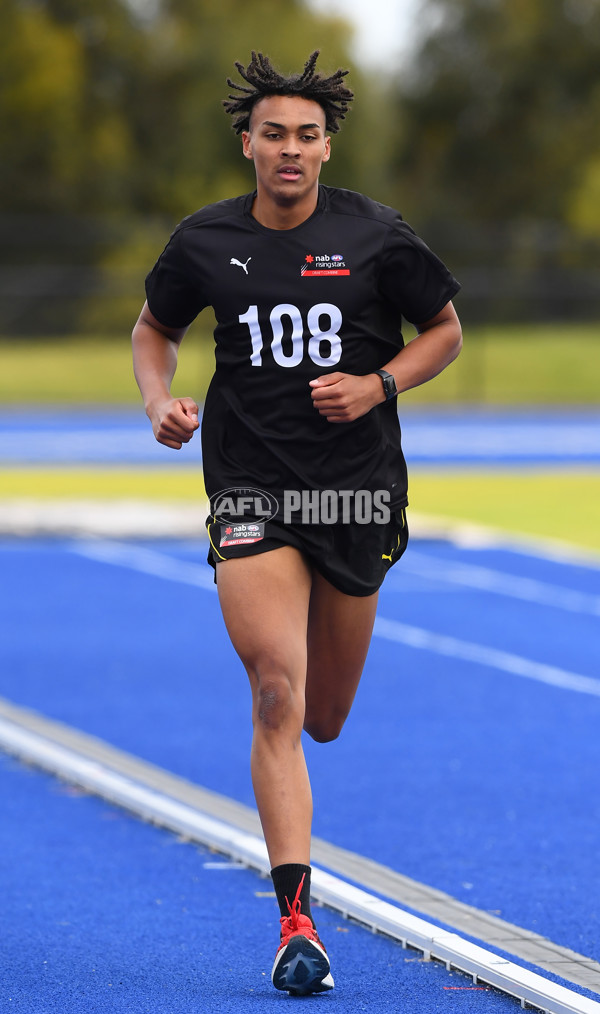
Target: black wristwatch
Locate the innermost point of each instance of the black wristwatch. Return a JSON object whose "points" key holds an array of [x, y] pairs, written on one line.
{"points": [[389, 384]]}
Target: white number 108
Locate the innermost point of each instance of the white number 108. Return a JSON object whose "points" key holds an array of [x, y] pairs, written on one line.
{"points": [[295, 353]]}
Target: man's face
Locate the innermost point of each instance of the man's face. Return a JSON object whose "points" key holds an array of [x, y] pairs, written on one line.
{"points": [[287, 144]]}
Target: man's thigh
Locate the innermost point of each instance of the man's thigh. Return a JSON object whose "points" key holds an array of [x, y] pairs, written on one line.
{"points": [[264, 600]]}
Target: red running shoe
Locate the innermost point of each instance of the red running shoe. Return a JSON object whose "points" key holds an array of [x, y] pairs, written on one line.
{"points": [[301, 963]]}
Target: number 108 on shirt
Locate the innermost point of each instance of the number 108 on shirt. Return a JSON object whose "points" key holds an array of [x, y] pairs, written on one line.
{"points": [[295, 343]]}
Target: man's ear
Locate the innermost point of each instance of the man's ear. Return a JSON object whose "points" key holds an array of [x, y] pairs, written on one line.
{"points": [[327, 154], [247, 144]]}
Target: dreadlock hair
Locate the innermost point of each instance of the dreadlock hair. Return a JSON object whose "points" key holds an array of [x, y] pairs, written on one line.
{"points": [[330, 92]]}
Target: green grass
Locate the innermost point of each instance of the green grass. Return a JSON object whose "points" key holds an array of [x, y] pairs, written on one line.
{"points": [[89, 483], [553, 504], [520, 365], [90, 371], [512, 365]]}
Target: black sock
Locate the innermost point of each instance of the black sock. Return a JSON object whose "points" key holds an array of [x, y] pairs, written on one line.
{"points": [[286, 881]]}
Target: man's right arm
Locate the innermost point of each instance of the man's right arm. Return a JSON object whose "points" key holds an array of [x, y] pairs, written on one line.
{"points": [[155, 348]]}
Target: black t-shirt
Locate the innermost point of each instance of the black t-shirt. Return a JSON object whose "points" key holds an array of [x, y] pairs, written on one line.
{"points": [[292, 305]]}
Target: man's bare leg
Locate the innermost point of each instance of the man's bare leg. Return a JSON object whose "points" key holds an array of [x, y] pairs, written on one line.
{"points": [[265, 601], [283, 618], [339, 633]]}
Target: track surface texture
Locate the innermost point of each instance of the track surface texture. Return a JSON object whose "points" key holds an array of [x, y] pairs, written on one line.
{"points": [[470, 772]]}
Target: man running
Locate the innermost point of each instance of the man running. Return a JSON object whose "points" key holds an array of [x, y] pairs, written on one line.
{"points": [[300, 435]]}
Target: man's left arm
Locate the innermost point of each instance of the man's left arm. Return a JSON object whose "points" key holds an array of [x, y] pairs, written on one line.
{"points": [[341, 397]]}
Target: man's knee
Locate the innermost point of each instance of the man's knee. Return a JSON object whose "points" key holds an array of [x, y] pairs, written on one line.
{"points": [[324, 728], [275, 703]]}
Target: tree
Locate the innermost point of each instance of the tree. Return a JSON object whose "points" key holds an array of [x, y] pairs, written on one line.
{"points": [[105, 111], [112, 129], [65, 136], [501, 113]]}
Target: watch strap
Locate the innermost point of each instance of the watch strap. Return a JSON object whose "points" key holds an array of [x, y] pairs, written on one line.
{"points": [[389, 384]]}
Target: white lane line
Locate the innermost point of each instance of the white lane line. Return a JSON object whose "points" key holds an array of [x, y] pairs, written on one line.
{"points": [[467, 651], [150, 561], [486, 579], [234, 865], [241, 846]]}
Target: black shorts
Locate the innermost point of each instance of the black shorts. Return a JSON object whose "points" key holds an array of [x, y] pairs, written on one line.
{"points": [[354, 558]]}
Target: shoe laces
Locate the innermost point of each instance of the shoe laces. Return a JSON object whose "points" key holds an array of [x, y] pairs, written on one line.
{"points": [[295, 922]]}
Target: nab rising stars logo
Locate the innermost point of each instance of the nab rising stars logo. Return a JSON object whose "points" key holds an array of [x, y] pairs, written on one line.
{"points": [[323, 265]]}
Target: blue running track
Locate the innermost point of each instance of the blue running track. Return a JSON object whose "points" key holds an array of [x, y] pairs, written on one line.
{"points": [[470, 762], [101, 913], [460, 437]]}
